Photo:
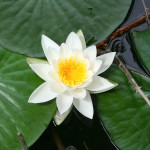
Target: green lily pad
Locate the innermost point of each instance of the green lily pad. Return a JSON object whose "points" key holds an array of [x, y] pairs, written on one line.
{"points": [[17, 82], [141, 40], [23, 22], [125, 114]]}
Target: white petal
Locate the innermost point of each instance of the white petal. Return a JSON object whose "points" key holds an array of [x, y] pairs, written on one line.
{"points": [[107, 60], [58, 118], [64, 102], [65, 51], [90, 52], [100, 85], [42, 70], [36, 61], [51, 49], [82, 39], [52, 54], [42, 94], [54, 76], [84, 106], [47, 42], [78, 93], [87, 83], [96, 65], [73, 41], [57, 86]]}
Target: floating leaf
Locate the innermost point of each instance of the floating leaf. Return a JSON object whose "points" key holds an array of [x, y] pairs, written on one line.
{"points": [[17, 81], [124, 113], [23, 22], [142, 44]]}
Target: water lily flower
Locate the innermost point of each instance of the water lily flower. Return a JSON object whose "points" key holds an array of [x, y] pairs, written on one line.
{"points": [[70, 74]]}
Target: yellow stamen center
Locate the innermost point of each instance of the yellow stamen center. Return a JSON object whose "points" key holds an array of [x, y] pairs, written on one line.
{"points": [[72, 71]]}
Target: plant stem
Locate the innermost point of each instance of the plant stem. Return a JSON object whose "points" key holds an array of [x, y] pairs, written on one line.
{"points": [[123, 30], [132, 81], [146, 12], [21, 138], [57, 140]]}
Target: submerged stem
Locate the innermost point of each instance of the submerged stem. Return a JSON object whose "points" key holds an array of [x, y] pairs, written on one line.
{"points": [[57, 140], [132, 81]]}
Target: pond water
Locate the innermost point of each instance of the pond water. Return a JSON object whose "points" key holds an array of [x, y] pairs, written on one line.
{"points": [[79, 132]]}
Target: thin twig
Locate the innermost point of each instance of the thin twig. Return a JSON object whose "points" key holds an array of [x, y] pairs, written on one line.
{"points": [[123, 30], [146, 12], [21, 138], [133, 82]]}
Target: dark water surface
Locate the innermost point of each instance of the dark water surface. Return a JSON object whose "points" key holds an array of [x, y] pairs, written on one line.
{"points": [[85, 134]]}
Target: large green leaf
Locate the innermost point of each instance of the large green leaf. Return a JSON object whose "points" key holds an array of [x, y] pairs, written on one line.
{"points": [[142, 43], [22, 22], [124, 113], [17, 81]]}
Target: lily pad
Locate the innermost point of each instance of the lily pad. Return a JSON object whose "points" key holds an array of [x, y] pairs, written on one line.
{"points": [[17, 81], [125, 114], [23, 22], [141, 40]]}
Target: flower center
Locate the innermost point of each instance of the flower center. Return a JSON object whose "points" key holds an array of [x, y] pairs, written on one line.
{"points": [[72, 71]]}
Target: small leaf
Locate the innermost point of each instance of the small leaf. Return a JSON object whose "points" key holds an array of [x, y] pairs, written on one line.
{"points": [[142, 44]]}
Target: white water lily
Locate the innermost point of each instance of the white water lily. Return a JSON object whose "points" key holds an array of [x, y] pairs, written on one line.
{"points": [[70, 74]]}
